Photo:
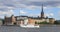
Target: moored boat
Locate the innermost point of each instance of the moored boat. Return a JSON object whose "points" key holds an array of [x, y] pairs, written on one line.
{"points": [[30, 26]]}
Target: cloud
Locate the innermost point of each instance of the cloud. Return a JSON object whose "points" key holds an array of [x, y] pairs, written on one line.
{"points": [[49, 15], [46, 15], [22, 12], [34, 15], [12, 4], [32, 7], [7, 5], [6, 12], [59, 13]]}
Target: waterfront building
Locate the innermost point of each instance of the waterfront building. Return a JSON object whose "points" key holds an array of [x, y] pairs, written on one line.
{"points": [[9, 20], [51, 20], [24, 20], [21, 20]]}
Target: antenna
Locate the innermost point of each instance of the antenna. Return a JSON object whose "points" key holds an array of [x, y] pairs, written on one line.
{"points": [[19, 11]]}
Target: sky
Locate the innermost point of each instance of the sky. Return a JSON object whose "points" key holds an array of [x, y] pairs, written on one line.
{"points": [[51, 8]]}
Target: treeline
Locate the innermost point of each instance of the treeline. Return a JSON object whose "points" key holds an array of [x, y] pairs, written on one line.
{"points": [[57, 22], [2, 21], [42, 22]]}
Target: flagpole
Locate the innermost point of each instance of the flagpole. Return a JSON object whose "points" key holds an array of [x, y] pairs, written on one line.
{"points": [[19, 13]]}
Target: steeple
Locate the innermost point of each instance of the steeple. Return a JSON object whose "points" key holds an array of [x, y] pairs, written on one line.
{"points": [[42, 12]]}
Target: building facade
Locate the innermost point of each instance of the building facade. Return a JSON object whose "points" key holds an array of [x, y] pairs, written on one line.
{"points": [[9, 20], [21, 20]]}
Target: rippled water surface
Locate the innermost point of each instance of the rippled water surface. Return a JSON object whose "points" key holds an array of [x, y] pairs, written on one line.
{"points": [[44, 28]]}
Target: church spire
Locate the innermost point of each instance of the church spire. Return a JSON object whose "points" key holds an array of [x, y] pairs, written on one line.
{"points": [[42, 7], [42, 12]]}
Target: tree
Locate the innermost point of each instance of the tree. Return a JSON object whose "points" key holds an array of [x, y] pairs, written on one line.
{"points": [[41, 22]]}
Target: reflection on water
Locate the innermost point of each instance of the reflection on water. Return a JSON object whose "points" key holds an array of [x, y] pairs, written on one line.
{"points": [[43, 28]]}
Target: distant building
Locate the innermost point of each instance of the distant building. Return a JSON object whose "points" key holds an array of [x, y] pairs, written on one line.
{"points": [[20, 20], [32, 20], [9, 20], [51, 20]]}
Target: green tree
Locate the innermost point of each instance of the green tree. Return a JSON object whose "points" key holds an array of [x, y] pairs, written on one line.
{"points": [[42, 22]]}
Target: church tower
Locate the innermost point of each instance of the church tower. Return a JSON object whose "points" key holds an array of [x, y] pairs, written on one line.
{"points": [[42, 12]]}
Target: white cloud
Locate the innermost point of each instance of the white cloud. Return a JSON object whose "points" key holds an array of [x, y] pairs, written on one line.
{"points": [[46, 15], [6, 12], [11, 12], [10, 4], [49, 14], [45, 7], [22, 12], [6, 5], [32, 7], [34, 15]]}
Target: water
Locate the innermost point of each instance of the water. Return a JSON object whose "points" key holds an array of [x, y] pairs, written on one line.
{"points": [[43, 28]]}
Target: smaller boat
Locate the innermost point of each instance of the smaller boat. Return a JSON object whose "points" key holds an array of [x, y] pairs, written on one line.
{"points": [[30, 26]]}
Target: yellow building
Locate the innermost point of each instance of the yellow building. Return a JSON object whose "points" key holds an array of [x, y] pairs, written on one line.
{"points": [[51, 20]]}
